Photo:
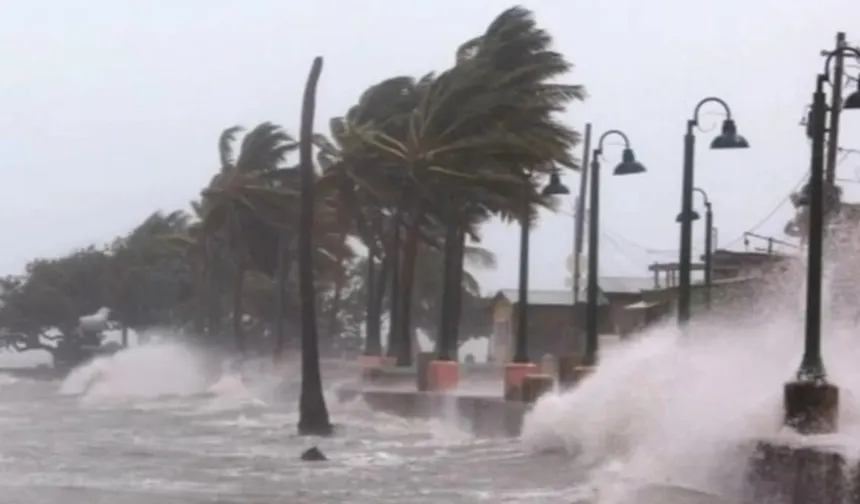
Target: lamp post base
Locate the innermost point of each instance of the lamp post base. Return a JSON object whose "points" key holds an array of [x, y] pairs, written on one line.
{"points": [[811, 407]]}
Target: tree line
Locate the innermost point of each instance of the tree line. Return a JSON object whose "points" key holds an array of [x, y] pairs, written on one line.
{"points": [[373, 223]]}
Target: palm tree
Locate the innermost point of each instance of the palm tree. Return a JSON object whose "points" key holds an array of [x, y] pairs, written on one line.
{"points": [[236, 195], [485, 127], [313, 414]]}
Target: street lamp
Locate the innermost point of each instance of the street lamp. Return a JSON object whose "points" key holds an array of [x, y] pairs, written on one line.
{"points": [[627, 166], [520, 367], [811, 403], [555, 187], [727, 139], [709, 237]]}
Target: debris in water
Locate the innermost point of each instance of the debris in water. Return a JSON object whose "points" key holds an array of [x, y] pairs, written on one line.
{"points": [[314, 454]]}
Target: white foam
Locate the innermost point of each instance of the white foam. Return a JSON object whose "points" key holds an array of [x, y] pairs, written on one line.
{"points": [[682, 410], [147, 372]]}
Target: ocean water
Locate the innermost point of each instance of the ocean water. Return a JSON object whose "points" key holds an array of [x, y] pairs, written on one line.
{"points": [[145, 426]]}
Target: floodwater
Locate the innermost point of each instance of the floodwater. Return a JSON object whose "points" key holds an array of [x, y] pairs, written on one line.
{"points": [[134, 428], [666, 418]]}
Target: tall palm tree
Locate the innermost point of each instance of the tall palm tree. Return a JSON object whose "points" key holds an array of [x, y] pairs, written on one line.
{"points": [[313, 413]]}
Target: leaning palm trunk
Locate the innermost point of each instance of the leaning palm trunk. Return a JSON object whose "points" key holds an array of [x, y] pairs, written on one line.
{"points": [[407, 280], [313, 413]]}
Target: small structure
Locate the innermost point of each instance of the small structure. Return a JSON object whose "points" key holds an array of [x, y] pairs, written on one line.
{"points": [[555, 326]]}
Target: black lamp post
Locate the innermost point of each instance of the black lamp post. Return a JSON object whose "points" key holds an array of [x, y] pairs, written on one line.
{"points": [[811, 403], [728, 139], [521, 352], [628, 166], [709, 239]]}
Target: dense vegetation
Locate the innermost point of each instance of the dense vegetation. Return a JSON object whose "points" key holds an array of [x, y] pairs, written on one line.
{"points": [[378, 221]]}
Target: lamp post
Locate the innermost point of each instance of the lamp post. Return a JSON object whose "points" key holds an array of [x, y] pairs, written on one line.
{"points": [[521, 352], [520, 366], [709, 240], [628, 166], [728, 139], [811, 403]]}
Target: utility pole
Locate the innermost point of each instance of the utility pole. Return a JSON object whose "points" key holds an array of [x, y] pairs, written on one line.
{"points": [[835, 110], [579, 224]]}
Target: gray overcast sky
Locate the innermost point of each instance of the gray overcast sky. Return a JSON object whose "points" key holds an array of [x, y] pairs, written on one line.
{"points": [[111, 109]]}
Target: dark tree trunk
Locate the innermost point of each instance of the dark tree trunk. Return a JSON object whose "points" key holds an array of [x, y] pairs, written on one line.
{"points": [[394, 312], [313, 413], [333, 324], [372, 339], [444, 341], [281, 276], [124, 336], [457, 294], [213, 297], [374, 309], [410, 255], [238, 287]]}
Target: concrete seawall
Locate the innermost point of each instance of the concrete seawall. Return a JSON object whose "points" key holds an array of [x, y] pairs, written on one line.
{"points": [[481, 416]]}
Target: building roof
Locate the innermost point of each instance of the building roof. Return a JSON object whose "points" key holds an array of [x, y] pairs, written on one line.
{"points": [[610, 285]]}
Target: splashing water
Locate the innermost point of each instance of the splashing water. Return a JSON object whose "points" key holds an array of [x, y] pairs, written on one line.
{"points": [[684, 409], [144, 372]]}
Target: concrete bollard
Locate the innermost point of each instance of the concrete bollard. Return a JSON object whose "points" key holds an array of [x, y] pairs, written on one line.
{"points": [[515, 372], [422, 375], [442, 375], [536, 385]]}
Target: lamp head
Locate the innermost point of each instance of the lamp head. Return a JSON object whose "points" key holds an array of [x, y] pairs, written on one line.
{"points": [[693, 217], [853, 100], [555, 187], [729, 138], [628, 164]]}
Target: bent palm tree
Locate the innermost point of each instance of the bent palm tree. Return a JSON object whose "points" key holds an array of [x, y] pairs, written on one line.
{"points": [[241, 190]]}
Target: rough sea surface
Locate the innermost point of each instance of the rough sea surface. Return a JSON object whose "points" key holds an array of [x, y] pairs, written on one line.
{"points": [[141, 429]]}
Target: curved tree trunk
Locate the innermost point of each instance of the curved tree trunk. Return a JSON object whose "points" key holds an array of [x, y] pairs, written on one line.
{"points": [[313, 413], [410, 254]]}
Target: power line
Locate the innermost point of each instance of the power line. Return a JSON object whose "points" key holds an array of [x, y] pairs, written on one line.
{"points": [[770, 214]]}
